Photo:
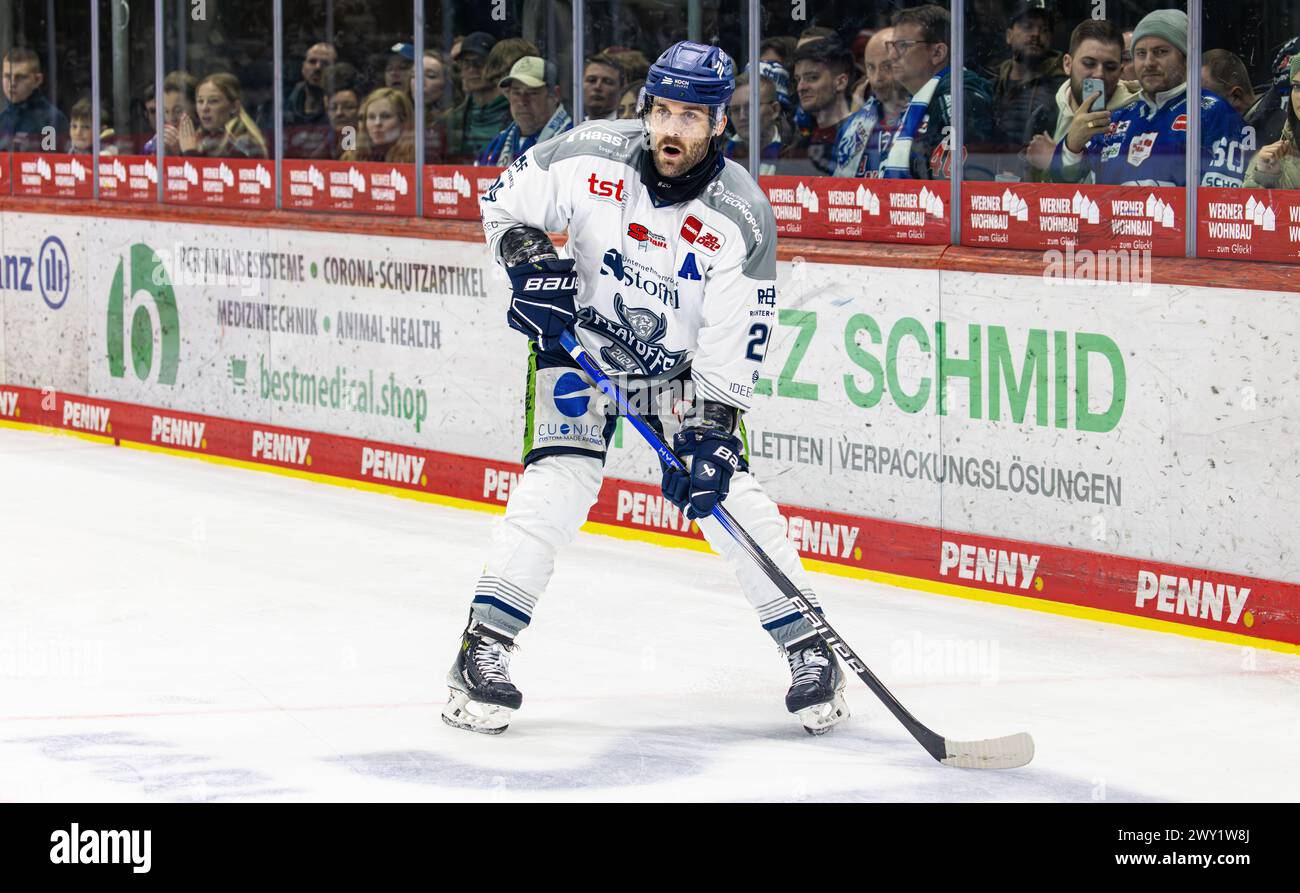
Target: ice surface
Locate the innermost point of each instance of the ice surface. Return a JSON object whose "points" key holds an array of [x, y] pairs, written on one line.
{"points": [[177, 630]]}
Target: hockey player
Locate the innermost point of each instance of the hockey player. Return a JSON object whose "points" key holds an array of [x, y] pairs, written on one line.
{"points": [[1145, 144], [670, 284]]}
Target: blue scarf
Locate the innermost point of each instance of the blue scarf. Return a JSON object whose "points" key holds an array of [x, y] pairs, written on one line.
{"points": [[509, 144], [897, 164]]}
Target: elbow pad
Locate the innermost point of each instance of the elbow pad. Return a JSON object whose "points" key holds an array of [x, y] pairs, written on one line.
{"points": [[708, 415], [525, 245]]}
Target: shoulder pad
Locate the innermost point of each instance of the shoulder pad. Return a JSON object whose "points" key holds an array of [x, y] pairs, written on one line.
{"points": [[735, 195], [616, 140]]}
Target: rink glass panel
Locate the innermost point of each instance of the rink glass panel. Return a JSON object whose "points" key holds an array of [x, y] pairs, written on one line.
{"points": [[1260, 220], [452, 178], [58, 33], [224, 155], [1011, 196], [823, 181], [622, 29], [347, 124], [128, 121]]}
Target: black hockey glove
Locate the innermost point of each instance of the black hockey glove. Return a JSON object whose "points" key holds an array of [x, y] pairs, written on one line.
{"points": [[711, 454], [541, 305]]}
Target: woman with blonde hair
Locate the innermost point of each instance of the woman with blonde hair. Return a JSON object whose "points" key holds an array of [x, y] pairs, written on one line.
{"points": [[225, 130], [387, 131]]}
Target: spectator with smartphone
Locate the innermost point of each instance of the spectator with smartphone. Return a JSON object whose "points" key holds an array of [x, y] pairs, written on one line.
{"points": [[1145, 144], [1093, 68]]}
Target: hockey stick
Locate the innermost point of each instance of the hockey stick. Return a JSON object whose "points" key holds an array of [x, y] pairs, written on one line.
{"points": [[990, 753]]}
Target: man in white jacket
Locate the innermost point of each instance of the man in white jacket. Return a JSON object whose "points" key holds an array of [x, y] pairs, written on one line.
{"points": [[670, 283]]}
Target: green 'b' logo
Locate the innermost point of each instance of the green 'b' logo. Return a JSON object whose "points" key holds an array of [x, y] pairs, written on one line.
{"points": [[149, 276]]}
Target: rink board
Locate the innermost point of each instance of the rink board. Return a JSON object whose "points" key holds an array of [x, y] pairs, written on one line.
{"points": [[1120, 448], [1222, 606]]}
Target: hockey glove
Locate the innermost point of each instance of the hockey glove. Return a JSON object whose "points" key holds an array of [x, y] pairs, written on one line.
{"points": [[541, 303], [711, 457]]}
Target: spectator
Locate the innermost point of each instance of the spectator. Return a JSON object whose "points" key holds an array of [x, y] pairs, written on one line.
{"points": [[145, 119], [1225, 75], [1024, 94], [437, 91], [178, 102], [634, 63], [835, 139], [30, 122], [773, 128], [921, 146], [533, 88], [814, 32], [779, 50], [986, 36], [1128, 72], [1277, 165], [602, 85], [505, 53], [225, 129], [81, 128], [857, 48], [306, 122], [388, 129], [1096, 50], [397, 70], [1268, 114], [343, 105], [627, 102], [1145, 144], [437, 82], [862, 89], [884, 102], [480, 116]]}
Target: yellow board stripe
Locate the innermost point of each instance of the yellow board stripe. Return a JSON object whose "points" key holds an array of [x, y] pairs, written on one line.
{"points": [[918, 584]]}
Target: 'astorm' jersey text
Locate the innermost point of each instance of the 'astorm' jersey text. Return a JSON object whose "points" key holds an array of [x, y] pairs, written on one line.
{"points": [[659, 287]]}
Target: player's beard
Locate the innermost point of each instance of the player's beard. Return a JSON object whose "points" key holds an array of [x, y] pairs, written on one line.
{"points": [[689, 153]]}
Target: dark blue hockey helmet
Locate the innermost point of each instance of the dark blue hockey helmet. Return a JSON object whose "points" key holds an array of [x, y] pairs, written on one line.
{"points": [[691, 72]]}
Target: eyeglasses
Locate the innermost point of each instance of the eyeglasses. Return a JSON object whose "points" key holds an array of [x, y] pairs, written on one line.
{"points": [[899, 47]]}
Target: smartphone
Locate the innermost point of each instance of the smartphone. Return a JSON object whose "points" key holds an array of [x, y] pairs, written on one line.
{"points": [[1098, 86]]}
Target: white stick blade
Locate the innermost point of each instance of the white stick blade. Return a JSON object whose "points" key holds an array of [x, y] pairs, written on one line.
{"points": [[992, 753]]}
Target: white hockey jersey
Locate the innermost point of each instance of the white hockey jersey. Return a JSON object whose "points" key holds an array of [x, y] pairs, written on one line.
{"points": [[659, 287]]}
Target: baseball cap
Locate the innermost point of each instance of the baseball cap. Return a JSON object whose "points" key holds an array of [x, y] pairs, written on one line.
{"points": [[1033, 7], [531, 71], [480, 43]]}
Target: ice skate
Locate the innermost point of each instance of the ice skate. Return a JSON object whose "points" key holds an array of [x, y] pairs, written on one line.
{"points": [[816, 686], [482, 696]]}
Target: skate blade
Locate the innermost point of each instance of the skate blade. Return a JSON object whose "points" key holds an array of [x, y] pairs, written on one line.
{"points": [[474, 716], [821, 718]]}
